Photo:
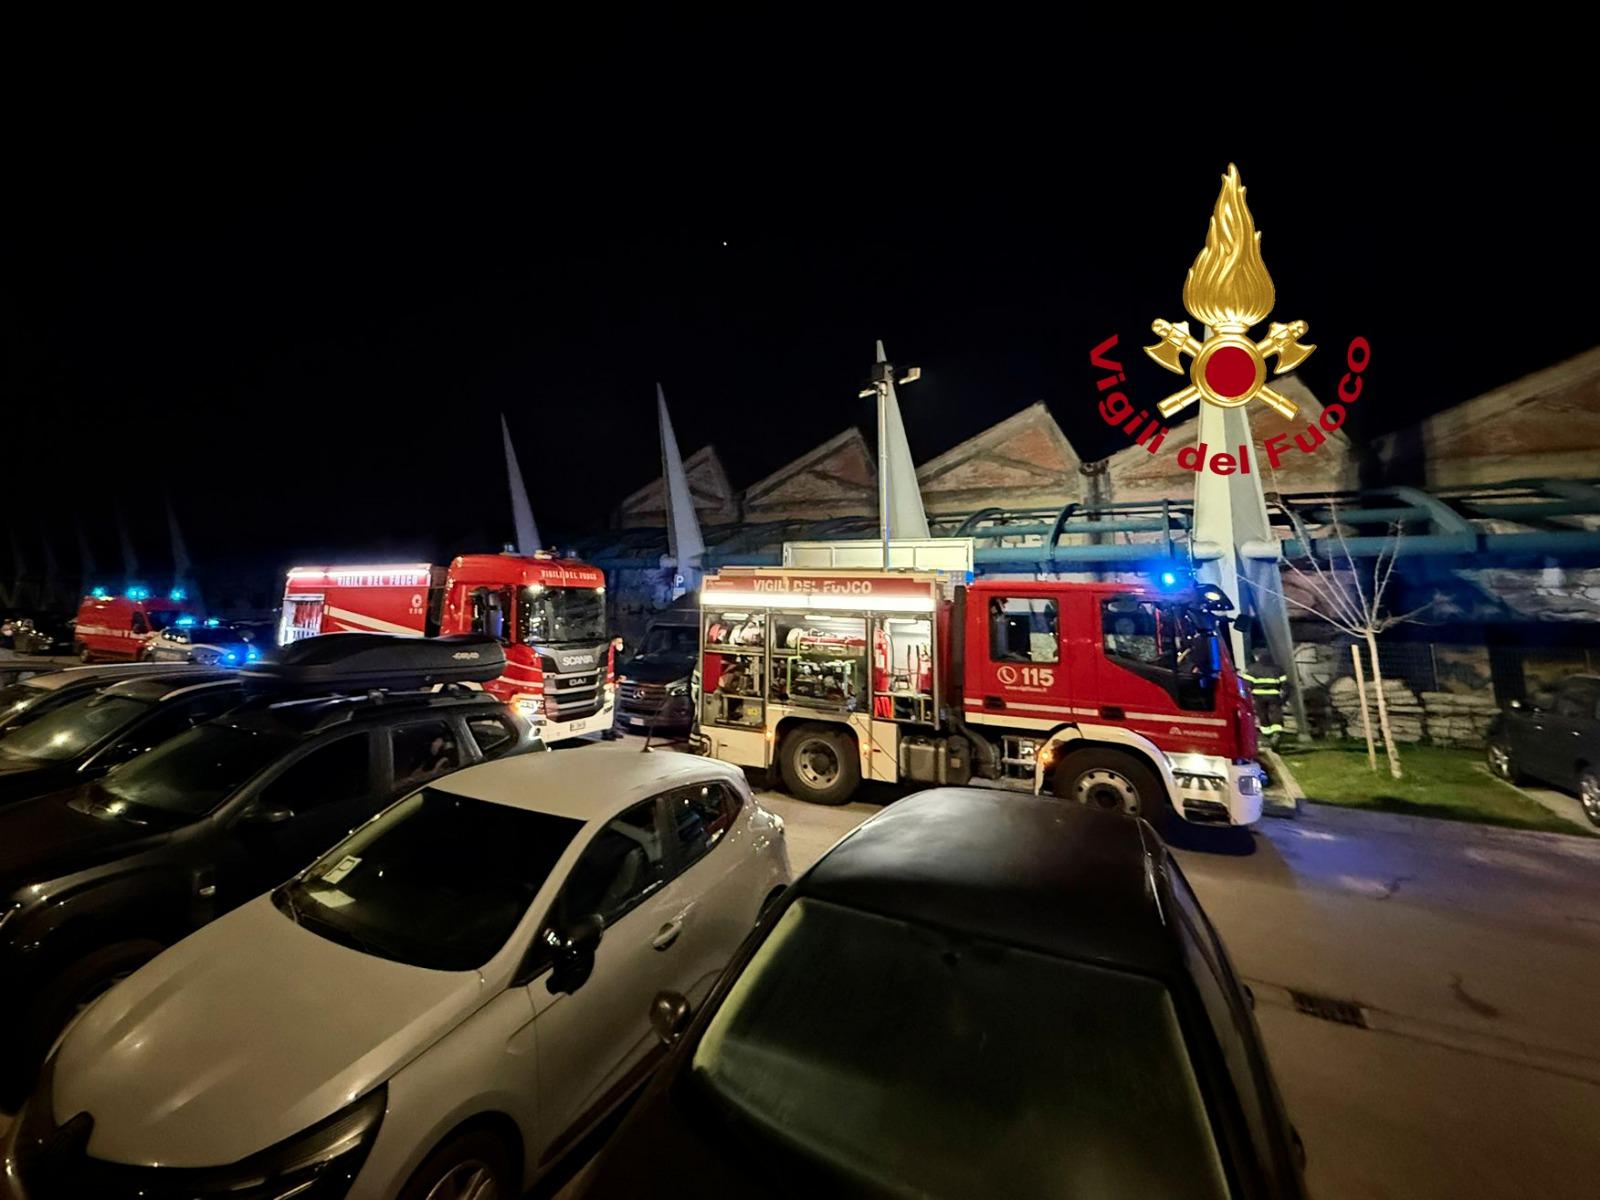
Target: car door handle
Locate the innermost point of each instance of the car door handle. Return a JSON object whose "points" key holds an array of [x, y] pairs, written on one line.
{"points": [[667, 934]]}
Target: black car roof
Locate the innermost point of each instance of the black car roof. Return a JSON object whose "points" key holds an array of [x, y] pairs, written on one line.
{"points": [[157, 688], [1025, 870], [302, 714]]}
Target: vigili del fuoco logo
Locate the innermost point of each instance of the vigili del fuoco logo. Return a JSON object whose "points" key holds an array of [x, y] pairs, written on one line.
{"points": [[1228, 291]]}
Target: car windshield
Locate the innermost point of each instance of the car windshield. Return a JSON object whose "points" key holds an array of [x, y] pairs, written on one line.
{"points": [[189, 775], [437, 881], [910, 1062], [561, 614], [671, 640], [163, 618], [17, 699], [73, 728]]}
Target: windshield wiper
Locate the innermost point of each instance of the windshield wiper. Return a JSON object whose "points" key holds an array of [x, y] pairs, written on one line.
{"points": [[342, 934]]}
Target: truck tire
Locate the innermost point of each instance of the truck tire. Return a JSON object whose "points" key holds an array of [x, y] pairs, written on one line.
{"points": [[820, 764], [1112, 779]]}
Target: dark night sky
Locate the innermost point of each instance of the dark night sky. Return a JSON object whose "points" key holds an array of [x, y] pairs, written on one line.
{"points": [[297, 294]]}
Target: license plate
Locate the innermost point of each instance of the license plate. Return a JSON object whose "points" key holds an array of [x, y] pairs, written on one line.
{"points": [[575, 727]]}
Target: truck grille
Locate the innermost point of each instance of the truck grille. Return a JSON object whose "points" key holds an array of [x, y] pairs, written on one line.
{"points": [[573, 696]]}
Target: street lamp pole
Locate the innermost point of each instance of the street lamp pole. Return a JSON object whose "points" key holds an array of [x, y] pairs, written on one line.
{"points": [[882, 381]]}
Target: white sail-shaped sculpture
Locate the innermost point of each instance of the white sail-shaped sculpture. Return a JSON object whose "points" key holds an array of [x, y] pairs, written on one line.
{"points": [[897, 474], [521, 511], [684, 543]]}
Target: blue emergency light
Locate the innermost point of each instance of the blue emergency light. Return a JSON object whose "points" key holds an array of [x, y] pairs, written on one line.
{"points": [[252, 655], [177, 594], [138, 593], [1169, 578], [212, 622], [185, 622], [99, 593]]}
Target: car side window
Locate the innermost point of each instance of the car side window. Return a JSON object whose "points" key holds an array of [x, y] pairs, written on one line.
{"points": [[424, 751], [330, 774], [492, 734], [1023, 629], [623, 864], [701, 817]]}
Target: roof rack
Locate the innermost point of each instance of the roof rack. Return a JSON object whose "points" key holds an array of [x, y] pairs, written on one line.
{"points": [[364, 661]]}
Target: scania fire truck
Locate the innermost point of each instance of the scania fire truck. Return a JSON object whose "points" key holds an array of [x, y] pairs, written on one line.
{"points": [[549, 612], [1112, 695]]}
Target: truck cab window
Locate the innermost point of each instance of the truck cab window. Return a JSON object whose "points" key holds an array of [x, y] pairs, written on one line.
{"points": [[1023, 629], [1133, 630], [491, 612]]}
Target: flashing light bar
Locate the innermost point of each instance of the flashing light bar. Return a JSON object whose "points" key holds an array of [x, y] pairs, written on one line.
{"points": [[99, 593], [211, 622], [177, 594], [138, 593], [185, 622], [818, 601]]}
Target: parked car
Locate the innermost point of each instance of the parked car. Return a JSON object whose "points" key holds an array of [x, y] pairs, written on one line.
{"points": [[972, 995], [99, 879], [653, 685], [31, 698], [38, 634], [441, 1005], [210, 642], [84, 738], [1554, 739]]}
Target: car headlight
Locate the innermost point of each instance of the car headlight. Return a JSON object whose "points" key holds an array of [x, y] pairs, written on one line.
{"points": [[681, 688], [1249, 785], [317, 1164]]}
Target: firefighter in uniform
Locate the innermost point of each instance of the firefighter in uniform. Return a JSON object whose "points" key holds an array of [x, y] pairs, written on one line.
{"points": [[1266, 689]]}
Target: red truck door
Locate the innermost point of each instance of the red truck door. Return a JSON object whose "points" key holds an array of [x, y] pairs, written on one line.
{"points": [[1145, 678], [1023, 669]]}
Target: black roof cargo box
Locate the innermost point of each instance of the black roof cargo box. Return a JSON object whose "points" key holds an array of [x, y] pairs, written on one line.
{"points": [[380, 660]]}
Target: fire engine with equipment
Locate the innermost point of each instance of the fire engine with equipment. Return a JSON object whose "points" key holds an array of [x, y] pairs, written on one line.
{"points": [[549, 612], [1108, 694]]}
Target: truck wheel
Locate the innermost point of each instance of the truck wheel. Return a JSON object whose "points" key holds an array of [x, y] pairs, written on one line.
{"points": [[76, 988], [1114, 780], [820, 764]]}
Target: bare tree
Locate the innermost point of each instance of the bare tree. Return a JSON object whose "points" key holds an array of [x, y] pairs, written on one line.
{"points": [[1343, 598]]}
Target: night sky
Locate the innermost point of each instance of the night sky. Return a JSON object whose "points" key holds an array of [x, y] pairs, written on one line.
{"points": [[296, 295]]}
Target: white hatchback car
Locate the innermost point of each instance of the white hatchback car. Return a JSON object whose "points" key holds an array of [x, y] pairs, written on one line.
{"points": [[442, 1005]]}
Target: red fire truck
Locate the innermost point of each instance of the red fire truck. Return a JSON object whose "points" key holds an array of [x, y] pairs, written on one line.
{"points": [[549, 612], [1111, 695]]}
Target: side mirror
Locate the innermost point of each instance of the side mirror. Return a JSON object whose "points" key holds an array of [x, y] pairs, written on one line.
{"points": [[669, 1016], [266, 816], [575, 955]]}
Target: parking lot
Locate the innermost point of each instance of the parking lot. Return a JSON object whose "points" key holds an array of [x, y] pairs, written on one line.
{"points": [[1458, 948], [1459, 1063]]}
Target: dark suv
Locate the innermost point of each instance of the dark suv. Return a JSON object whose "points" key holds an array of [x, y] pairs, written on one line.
{"points": [[973, 994], [97, 880], [1555, 739]]}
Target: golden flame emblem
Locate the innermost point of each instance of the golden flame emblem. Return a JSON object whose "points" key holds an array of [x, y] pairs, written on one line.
{"points": [[1229, 289]]}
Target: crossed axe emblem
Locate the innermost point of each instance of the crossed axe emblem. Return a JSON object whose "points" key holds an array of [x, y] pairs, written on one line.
{"points": [[1228, 368]]}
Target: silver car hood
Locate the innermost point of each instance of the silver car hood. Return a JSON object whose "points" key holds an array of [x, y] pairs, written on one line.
{"points": [[242, 1035]]}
